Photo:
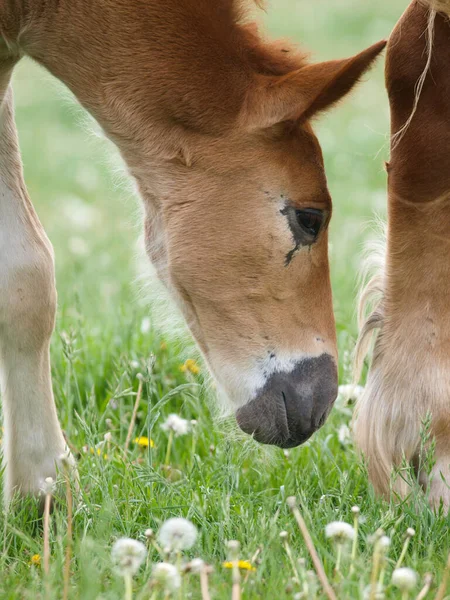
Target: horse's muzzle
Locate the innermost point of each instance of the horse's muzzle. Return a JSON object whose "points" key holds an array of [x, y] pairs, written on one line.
{"points": [[292, 406]]}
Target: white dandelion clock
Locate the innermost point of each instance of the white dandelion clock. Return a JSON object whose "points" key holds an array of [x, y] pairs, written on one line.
{"points": [[196, 565], [127, 556], [177, 534], [404, 579], [167, 576], [350, 392], [146, 325], [340, 532], [344, 435], [49, 486], [176, 425], [374, 594]]}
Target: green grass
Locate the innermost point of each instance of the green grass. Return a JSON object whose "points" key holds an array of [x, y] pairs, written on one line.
{"points": [[228, 488]]}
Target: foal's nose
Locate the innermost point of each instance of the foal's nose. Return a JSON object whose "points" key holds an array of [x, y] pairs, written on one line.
{"points": [[293, 405]]}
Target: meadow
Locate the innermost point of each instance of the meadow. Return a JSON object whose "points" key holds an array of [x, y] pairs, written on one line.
{"points": [[107, 342]]}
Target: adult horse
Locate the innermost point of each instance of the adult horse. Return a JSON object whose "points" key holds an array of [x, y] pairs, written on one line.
{"points": [[405, 409], [213, 123]]}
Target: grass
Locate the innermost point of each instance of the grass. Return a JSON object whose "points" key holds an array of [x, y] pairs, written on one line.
{"points": [[103, 339]]}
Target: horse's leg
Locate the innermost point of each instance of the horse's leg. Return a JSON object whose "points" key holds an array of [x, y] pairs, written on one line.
{"points": [[408, 386], [33, 440]]}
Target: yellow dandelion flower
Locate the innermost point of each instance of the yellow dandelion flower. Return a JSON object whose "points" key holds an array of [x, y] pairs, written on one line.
{"points": [[245, 565], [98, 452], [36, 560], [190, 366], [144, 442]]}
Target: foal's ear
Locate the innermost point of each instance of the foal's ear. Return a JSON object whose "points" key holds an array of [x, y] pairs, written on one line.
{"points": [[303, 93]]}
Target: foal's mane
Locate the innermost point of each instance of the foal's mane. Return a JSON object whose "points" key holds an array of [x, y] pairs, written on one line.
{"points": [[271, 57], [216, 48]]}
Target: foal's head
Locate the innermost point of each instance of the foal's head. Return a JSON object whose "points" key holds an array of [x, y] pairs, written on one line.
{"points": [[245, 243]]}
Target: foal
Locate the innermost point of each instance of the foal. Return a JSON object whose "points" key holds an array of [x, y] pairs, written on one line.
{"points": [[213, 123], [409, 381]]}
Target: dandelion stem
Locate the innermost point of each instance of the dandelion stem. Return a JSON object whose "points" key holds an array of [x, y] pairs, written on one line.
{"points": [[180, 589], [204, 584], [443, 587], [169, 448], [134, 415], [375, 570], [403, 553], [311, 549], [48, 499], [68, 557], [355, 542], [337, 568], [382, 575], [405, 595], [291, 560], [128, 586], [236, 590], [426, 588], [194, 446]]}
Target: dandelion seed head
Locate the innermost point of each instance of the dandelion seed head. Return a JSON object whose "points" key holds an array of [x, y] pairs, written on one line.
{"points": [[127, 556], [49, 486], [233, 545], [177, 534], [176, 424], [356, 510], [233, 549], [284, 535], [145, 325], [377, 595], [404, 579], [351, 392], [410, 532], [384, 542], [196, 565], [344, 434], [339, 531], [167, 576]]}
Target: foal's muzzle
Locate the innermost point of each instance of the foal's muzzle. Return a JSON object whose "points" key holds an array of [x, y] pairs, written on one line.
{"points": [[292, 406]]}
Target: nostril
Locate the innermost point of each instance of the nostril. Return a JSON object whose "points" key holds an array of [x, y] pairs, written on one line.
{"points": [[322, 419]]}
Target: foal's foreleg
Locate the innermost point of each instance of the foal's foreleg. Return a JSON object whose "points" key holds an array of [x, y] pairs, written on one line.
{"points": [[33, 440]]}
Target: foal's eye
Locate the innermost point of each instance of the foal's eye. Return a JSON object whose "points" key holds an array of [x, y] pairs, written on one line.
{"points": [[310, 220]]}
